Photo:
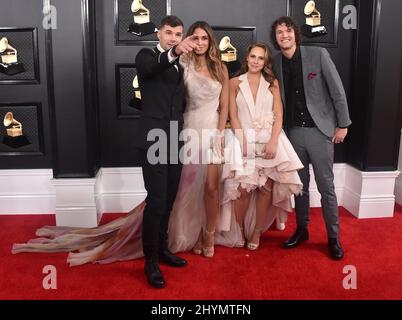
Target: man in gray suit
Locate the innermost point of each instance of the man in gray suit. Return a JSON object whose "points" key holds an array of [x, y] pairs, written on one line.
{"points": [[316, 116]]}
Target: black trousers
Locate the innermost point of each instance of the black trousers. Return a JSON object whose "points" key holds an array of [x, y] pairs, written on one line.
{"points": [[161, 182]]}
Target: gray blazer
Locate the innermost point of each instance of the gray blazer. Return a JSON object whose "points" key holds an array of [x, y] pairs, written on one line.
{"points": [[325, 95]]}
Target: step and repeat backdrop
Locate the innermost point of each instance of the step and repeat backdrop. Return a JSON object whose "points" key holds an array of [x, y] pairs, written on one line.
{"points": [[122, 28]]}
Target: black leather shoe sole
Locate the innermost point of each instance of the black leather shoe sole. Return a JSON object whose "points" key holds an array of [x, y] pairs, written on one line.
{"points": [[295, 243], [173, 262], [336, 256], [159, 284]]}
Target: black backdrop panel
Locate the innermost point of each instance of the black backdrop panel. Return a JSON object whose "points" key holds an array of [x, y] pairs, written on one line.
{"points": [[27, 94], [30, 116], [124, 17], [329, 10], [125, 74], [24, 40], [118, 121]]}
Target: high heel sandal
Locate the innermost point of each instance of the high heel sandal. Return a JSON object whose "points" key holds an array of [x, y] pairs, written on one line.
{"points": [[280, 225], [254, 246], [198, 246], [242, 242], [209, 251]]}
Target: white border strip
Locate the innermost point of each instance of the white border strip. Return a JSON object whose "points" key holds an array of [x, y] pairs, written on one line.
{"points": [[120, 189]]}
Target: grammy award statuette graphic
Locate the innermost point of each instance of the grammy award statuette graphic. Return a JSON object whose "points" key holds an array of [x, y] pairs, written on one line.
{"points": [[142, 24], [229, 55], [9, 64], [14, 137], [313, 27], [135, 102]]}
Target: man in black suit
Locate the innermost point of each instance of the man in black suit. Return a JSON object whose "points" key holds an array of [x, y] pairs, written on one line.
{"points": [[162, 89]]}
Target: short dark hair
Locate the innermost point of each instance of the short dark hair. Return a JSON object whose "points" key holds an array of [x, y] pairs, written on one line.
{"points": [[290, 23], [171, 21]]}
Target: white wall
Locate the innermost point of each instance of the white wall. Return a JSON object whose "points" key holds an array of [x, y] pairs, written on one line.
{"points": [[27, 192], [365, 195]]}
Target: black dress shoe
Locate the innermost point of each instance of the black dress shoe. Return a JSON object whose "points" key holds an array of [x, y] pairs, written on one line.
{"points": [[298, 237], [170, 259], [154, 274], [335, 249]]}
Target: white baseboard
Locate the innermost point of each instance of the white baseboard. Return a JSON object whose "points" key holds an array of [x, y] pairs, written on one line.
{"points": [[81, 202], [76, 202], [369, 194], [27, 192], [123, 188], [82, 217], [120, 189]]}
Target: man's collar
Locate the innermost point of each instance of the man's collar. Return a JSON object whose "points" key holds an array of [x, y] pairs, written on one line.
{"points": [[159, 47], [296, 56]]}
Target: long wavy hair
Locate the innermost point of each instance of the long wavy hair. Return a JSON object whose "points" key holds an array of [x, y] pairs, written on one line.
{"points": [[213, 55], [266, 71]]}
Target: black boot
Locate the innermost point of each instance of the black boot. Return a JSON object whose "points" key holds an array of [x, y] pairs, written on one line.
{"points": [[165, 256], [298, 237], [153, 273], [335, 249]]}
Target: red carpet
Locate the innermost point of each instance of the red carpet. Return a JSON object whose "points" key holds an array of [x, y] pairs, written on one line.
{"points": [[374, 247]]}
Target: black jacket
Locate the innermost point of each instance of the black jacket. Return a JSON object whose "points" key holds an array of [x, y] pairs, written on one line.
{"points": [[162, 94], [162, 86]]}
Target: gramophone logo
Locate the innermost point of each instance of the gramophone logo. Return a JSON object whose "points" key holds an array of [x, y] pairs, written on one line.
{"points": [[229, 55], [228, 51], [313, 27], [142, 25], [14, 138], [140, 13], [136, 87], [9, 59], [135, 102]]}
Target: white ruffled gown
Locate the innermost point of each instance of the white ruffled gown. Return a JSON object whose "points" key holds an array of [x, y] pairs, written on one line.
{"points": [[253, 173]]}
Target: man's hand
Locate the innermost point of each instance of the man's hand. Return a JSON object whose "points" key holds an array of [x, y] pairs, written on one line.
{"points": [[185, 46], [340, 135]]}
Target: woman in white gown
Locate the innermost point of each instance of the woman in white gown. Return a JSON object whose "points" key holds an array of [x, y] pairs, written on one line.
{"points": [[262, 173], [195, 213]]}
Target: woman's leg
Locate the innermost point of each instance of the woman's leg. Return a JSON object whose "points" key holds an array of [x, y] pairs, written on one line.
{"points": [[211, 200], [240, 208], [263, 201]]}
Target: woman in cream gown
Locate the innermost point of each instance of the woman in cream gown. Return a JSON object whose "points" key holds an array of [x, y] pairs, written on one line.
{"points": [[195, 214], [261, 176], [194, 217]]}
